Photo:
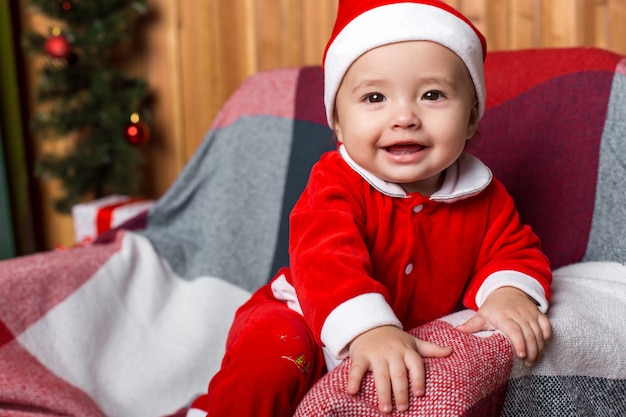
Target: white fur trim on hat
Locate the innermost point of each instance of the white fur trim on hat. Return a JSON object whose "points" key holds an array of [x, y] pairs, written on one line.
{"points": [[400, 22]]}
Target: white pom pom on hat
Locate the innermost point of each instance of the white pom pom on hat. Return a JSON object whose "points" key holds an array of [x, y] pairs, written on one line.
{"points": [[362, 25]]}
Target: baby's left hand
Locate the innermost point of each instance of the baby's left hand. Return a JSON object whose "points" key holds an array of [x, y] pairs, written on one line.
{"points": [[517, 316]]}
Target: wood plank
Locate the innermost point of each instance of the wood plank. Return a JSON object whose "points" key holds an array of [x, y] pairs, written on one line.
{"points": [[197, 94], [165, 151], [617, 24], [585, 24], [601, 24], [272, 29], [524, 20], [476, 12], [498, 25], [231, 57], [559, 23], [292, 24], [319, 18], [453, 3]]}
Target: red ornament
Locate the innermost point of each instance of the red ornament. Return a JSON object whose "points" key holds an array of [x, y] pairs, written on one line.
{"points": [[57, 46], [137, 132]]}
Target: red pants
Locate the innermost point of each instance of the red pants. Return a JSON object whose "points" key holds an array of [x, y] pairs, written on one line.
{"points": [[271, 361]]}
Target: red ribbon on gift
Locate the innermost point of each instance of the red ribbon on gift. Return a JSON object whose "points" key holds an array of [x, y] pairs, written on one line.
{"points": [[105, 214]]}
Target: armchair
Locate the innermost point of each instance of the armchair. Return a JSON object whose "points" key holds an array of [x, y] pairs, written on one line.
{"points": [[134, 325]]}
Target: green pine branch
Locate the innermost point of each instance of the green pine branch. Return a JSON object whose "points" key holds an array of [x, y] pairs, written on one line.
{"points": [[88, 95]]}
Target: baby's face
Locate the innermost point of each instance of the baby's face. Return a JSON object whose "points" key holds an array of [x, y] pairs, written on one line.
{"points": [[404, 112]]}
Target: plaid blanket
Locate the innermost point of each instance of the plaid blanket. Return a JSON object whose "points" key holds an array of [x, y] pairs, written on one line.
{"points": [[134, 325], [108, 330], [582, 373]]}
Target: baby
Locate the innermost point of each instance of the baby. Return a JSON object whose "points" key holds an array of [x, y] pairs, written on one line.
{"points": [[397, 227]]}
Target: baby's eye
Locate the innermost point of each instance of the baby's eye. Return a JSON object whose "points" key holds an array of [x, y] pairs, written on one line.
{"points": [[374, 98], [433, 95]]}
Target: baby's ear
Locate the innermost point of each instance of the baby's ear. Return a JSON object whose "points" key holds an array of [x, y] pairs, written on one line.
{"points": [[472, 125], [337, 129]]}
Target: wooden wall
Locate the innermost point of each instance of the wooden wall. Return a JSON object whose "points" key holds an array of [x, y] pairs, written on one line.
{"points": [[200, 50], [220, 42]]}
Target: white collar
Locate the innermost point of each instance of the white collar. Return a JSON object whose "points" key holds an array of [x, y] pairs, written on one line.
{"points": [[467, 177]]}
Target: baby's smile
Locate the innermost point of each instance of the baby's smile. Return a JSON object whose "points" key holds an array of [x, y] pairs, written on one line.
{"points": [[404, 148]]}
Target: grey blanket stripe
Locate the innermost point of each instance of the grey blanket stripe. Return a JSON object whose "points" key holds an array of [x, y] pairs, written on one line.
{"points": [[607, 238], [221, 215], [565, 396]]}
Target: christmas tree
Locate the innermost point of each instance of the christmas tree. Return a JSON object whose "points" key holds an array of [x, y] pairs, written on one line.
{"points": [[85, 94]]}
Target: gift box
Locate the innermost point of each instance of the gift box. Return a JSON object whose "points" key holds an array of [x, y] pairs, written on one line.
{"points": [[97, 216]]}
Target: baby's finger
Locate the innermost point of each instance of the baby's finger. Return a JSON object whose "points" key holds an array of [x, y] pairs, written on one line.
{"points": [[431, 350], [417, 373], [358, 369], [513, 331], [546, 327], [539, 341], [475, 324], [400, 384], [534, 342], [383, 389]]}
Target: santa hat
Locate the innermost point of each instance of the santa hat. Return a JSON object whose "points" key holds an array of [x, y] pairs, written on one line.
{"points": [[363, 25]]}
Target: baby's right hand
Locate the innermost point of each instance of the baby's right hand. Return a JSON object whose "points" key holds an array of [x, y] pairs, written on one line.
{"points": [[393, 356]]}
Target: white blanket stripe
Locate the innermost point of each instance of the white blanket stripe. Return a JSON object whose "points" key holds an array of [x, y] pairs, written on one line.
{"points": [[136, 337]]}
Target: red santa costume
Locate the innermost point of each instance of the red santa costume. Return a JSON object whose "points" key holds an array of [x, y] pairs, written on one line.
{"points": [[364, 253]]}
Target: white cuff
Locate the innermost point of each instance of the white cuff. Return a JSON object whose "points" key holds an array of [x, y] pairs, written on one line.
{"points": [[513, 279], [355, 317]]}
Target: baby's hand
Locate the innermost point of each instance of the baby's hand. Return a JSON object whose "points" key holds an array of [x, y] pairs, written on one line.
{"points": [[517, 316], [393, 356]]}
